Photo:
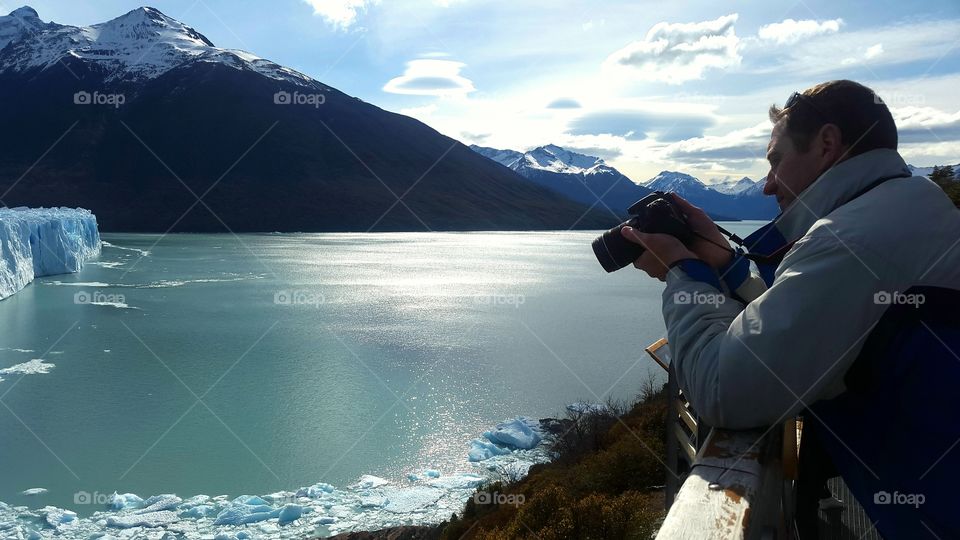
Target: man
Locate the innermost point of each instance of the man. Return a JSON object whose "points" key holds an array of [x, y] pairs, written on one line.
{"points": [[852, 319]]}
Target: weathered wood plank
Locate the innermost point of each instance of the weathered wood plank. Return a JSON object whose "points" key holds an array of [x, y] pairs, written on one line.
{"points": [[685, 415], [683, 439], [660, 353], [733, 490]]}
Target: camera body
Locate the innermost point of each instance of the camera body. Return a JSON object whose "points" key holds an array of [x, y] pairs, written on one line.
{"points": [[655, 213]]}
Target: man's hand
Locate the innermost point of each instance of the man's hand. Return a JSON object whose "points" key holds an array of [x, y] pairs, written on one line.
{"points": [[662, 251], [700, 222]]}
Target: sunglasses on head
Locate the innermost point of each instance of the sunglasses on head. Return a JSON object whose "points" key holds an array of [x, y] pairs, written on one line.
{"points": [[797, 97]]}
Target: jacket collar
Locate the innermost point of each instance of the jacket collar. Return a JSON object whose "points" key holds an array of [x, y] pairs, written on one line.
{"points": [[837, 186]]}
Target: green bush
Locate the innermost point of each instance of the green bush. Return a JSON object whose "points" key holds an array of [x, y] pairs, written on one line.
{"points": [[606, 486]]}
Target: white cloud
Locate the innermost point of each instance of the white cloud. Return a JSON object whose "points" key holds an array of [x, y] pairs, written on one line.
{"points": [[747, 144], [926, 124], [340, 13], [431, 77], [831, 56], [790, 31], [928, 155], [869, 54], [678, 52]]}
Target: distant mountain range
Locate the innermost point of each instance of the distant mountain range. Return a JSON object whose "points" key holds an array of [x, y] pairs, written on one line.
{"points": [[926, 171], [588, 178], [731, 186], [139, 117], [582, 178], [745, 202]]}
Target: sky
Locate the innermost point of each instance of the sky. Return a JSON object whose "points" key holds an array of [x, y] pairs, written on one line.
{"points": [[648, 86]]}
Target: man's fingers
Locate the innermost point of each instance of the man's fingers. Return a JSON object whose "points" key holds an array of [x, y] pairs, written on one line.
{"points": [[634, 235], [649, 263]]}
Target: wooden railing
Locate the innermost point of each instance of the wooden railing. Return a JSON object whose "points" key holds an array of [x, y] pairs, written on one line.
{"points": [[721, 483]]}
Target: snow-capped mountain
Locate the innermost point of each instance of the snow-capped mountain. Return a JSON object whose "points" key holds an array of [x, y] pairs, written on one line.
{"points": [[746, 203], [586, 178], [731, 186], [755, 190], [141, 44], [19, 22], [677, 182], [583, 178], [553, 158], [508, 158], [138, 117]]}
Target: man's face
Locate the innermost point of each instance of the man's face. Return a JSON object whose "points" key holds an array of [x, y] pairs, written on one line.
{"points": [[790, 171]]}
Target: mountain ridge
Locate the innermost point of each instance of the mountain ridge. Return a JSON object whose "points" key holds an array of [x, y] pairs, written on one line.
{"points": [[585, 179], [213, 124], [560, 169]]}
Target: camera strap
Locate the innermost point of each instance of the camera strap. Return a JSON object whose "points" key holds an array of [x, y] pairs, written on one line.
{"points": [[777, 256]]}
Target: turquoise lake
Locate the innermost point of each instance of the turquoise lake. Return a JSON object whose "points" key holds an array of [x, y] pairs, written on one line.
{"points": [[221, 364]]}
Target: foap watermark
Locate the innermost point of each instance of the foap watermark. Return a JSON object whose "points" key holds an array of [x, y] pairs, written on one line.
{"points": [[900, 99], [298, 298], [85, 497], [912, 499], [97, 98], [887, 298], [685, 298], [98, 297], [296, 98], [487, 497], [514, 300]]}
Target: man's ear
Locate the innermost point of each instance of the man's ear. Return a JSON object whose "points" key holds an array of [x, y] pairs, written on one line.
{"points": [[831, 145]]}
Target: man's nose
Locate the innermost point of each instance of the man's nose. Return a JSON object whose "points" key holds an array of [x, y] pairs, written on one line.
{"points": [[770, 186]]}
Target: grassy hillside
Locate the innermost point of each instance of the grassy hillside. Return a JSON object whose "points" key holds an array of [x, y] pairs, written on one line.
{"points": [[606, 484]]}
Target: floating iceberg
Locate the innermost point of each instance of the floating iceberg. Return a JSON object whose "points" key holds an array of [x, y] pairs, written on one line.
{"points": [[321, 509], [37, 242], [521, 432], [33, 367], [125, 501]]}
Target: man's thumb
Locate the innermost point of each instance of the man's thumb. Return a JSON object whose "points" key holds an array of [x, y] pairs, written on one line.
{"points": [[633, 234]]}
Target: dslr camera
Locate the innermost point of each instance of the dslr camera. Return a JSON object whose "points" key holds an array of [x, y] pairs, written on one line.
{"points": [[655, 213]]}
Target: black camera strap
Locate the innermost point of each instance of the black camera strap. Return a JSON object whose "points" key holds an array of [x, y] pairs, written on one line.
{"points": [[774, 257], [778, 255]]}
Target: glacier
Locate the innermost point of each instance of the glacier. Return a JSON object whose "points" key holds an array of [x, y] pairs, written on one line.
{"points": [[37, 242], [422, 498]]}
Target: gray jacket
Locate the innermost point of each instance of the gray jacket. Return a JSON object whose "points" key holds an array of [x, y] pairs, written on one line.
{"points": [[751, 364]]}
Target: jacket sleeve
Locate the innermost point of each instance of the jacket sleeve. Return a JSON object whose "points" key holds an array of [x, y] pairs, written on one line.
{"points": [[787, 348], [739, 281]]}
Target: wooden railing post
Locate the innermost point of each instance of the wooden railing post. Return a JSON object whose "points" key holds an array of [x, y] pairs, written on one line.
{"points": [[734, 489], [722, 483]]}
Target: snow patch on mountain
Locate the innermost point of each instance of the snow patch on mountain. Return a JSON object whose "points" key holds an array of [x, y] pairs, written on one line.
{"points": [[142, 44], [731, 186], [756, 190], [676, 182], [559, 160], [548, 158], [507, 158]]}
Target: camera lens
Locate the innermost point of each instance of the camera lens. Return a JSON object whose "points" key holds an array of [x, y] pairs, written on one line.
{"points": [[614, 251]]}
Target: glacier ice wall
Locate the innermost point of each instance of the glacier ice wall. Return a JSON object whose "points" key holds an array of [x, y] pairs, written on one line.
{"points": [[38, 242]]}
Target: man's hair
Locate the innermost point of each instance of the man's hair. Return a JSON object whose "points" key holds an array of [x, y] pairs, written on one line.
{"points": [[864, 120]]}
